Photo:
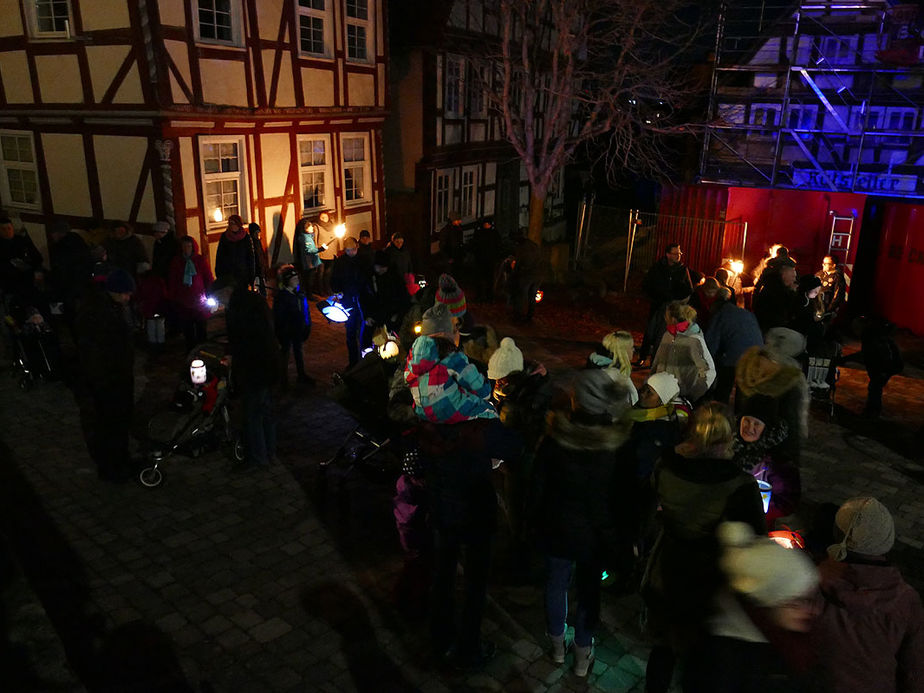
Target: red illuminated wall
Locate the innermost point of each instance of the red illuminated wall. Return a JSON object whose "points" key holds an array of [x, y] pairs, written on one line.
{"points": [[799, 219], [900, 268]]}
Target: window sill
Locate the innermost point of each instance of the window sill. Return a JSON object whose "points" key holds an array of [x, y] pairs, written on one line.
{"points": [[223, 45], [357, 203]]}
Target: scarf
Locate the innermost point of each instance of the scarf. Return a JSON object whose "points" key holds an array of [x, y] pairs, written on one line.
{"points": [[236, 235], [189, 271], [749, 455], [653, 414], [678, 327]]}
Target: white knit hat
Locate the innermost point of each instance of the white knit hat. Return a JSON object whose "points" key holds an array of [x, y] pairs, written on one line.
{"points": [[505, 360], [762, 570], [867, 526], [665, 384]]}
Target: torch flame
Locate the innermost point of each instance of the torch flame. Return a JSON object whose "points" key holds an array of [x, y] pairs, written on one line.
{"points": [[340, 230]]}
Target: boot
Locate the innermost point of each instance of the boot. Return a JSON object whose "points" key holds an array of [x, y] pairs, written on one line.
{"points": [[559, 646], [583, 659]]}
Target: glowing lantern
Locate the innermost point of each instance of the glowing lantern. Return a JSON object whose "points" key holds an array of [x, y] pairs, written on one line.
{"points": [[333, 310], [417, 328], [340, 230], [765, 493], [217, 215], [389, 349], [198, 373], [788, 539], [737, 266], [539, 296]]}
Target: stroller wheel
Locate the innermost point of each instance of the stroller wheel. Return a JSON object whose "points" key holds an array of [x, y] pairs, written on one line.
{"points": [[151, 477], [236, 449]]}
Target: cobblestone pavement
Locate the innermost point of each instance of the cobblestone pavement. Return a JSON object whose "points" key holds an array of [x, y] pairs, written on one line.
{"points": [[284, 580]]}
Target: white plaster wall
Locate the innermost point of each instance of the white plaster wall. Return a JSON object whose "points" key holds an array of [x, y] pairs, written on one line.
{"points": [[119, 161], [59, 78], [14, 71], [67, 177]]}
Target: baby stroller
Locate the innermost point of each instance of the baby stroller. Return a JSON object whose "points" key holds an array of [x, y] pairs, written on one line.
{"points": [[364, 391], [34, 345], [199, 418]]}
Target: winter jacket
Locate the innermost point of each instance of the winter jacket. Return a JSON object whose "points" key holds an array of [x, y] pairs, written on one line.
{"points": [[324, 235], [346, 277], [126, 253], [151, 295], [731, 332], [582, 480], [833, 289], [448, 389], [291, 316], [165, 249], [105, 344], [870, 634], [399, 260], [256, 360], [71, 264], [189, 301], [665, 282], [775, 306], [19, 259], [782, 381], [458, 476], [696, 494], [525, 400], [384, 297], [304, 248], [235, 257], [686, 357]]}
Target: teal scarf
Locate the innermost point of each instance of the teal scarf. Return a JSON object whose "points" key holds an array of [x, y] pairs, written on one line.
{"points": [[189, 272]]}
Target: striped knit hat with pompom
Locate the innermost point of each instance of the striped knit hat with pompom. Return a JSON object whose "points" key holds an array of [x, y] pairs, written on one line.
{"points": [[450, 293]]}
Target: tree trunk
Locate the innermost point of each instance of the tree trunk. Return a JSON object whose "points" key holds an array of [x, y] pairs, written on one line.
{"points": [[536, 218]]}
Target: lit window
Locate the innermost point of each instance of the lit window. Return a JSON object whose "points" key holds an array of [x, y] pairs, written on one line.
{"points": [[452, 104], [17, 164], [223, 179], [468, 202], [314, 23], [314, 170], [357, 30], [219, 21], [49, 18], [357, 172]]}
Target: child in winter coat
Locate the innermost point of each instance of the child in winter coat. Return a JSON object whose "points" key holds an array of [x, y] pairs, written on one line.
{"points": [[683, 352], [292, 320]]}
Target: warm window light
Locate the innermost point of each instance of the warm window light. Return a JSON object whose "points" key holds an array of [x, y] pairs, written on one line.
{"points": [[217, 215], [737, 266], [340, 230]]}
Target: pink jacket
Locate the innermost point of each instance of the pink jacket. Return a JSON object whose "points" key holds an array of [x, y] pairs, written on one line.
{"points": [[870, 634]]}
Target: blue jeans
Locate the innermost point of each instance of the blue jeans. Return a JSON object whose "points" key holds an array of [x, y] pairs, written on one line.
{"points": [[587, 583], [259, 426]]}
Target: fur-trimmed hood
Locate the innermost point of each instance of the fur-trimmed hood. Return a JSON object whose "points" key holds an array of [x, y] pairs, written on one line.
{"points": [[755, 373], [581, 436]]}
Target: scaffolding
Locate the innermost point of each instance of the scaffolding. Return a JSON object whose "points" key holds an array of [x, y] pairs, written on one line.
{"points": [[818, 95]]}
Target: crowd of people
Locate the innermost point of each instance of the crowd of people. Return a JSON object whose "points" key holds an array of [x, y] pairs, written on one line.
{"points": [[667, 488]]}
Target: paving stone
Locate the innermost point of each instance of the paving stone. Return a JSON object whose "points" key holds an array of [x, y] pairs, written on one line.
{"points": [[270, 630], [216, 625]]}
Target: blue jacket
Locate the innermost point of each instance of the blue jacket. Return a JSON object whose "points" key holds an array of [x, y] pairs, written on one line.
{"points": [[732, 331]]}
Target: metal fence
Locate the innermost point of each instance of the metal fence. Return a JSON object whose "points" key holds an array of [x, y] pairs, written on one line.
{"points": [[634, 240]]}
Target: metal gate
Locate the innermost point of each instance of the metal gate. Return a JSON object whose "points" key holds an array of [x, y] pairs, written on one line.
{"points": [[636, 240]]}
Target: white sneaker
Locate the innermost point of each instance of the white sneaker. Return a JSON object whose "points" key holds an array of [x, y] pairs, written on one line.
{"points": [[583, 659]]}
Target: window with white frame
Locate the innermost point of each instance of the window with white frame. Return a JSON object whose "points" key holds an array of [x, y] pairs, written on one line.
{"points": [[219, 21], [223, 178], [49, 18], [19, 174], [468, 201], [357, 30], [357, 169], [442, 195], [454, 86], [314, 27], [314, 171]]}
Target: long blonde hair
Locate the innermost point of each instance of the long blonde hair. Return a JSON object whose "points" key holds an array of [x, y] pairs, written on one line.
{"points": [[678, 311], [621, 344]]}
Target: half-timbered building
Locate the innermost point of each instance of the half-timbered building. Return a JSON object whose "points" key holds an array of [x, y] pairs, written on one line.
{"points": [[192, 110], [444, 148]]}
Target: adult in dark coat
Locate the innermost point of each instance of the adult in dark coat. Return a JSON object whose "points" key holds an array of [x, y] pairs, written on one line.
{"points": [[255, 368], [451, 241], [698, 486], [667, 280], [107, 358], [259, 257], [346, 277], [486, 247], [464, 514], [234, 259], [19, 259], [385, 300], [580, 523], [399, 258], [366, 252], [777, 302], [166, 247], [71, 265], [124, 249], [188, 282], [731, 332], [525, 278]]}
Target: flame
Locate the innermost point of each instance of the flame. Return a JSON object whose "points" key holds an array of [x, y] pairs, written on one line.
{"points": [[340, 230]]}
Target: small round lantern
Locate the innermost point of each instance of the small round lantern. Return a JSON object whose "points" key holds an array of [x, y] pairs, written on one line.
{"points": [[198, 372]]}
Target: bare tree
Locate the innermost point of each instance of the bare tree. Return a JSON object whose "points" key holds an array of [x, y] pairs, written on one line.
{"points": [[571, 72]]}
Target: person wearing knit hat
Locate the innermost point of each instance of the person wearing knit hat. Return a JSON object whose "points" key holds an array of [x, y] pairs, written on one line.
{"points": [[235, 255], [664, 386], [869, 635], [120, 284], [506, 360], [450, 293], [437, 322], [757, 635]]}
